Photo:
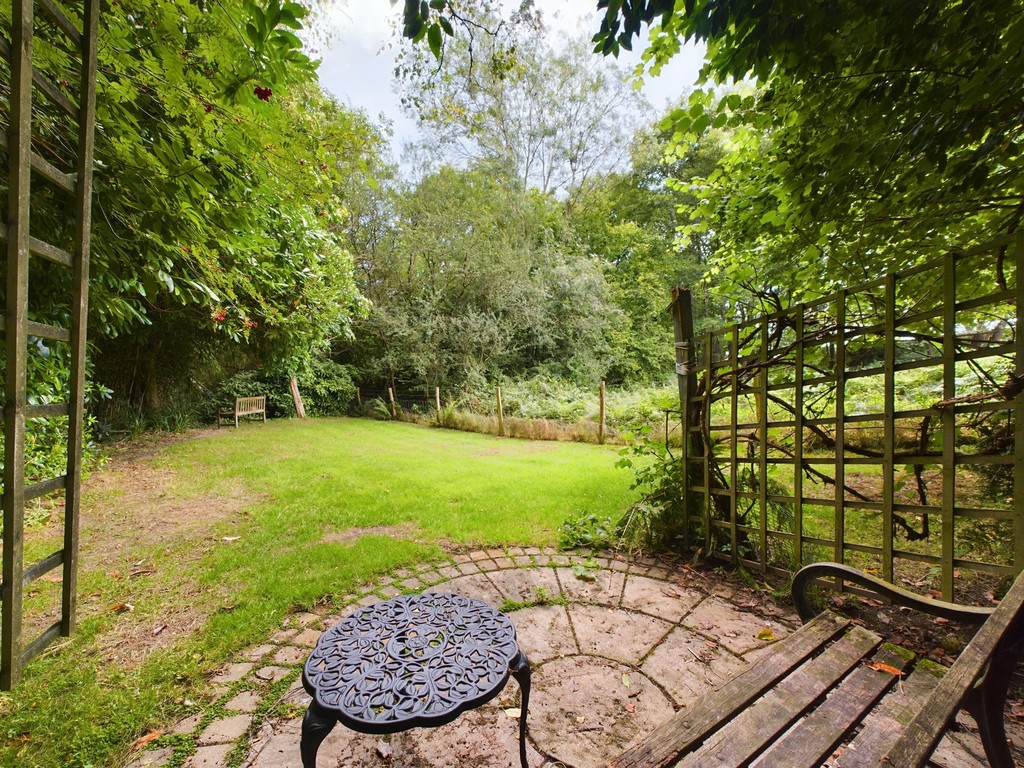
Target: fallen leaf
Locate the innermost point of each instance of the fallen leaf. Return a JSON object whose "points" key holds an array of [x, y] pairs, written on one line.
{"points": [[625, 679], [767, 635], [384, 749], [142, 572], [879, 667], [122, 607], [940, 620], [514, 712], [159, 629], [142, 741], [630, 707], [236, 538], [581, 719], [669, 592]]}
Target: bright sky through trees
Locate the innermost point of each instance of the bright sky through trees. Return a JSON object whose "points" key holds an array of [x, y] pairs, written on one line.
{"points": [[358, 59]]}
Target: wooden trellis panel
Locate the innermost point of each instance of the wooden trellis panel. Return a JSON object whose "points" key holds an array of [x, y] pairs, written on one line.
{"points": [[26, 167], [782, 410]]}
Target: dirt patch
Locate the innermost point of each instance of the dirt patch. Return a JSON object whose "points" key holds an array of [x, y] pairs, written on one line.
{"points": [[139, 520], [352, 535]]}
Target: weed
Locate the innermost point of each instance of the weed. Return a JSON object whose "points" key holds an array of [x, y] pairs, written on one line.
{"points": [[587, 570], [587, 530], [541, 596]]}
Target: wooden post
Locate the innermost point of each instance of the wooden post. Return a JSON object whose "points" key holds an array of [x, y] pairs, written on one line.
{"points": [[19, 168], [300, 410], [501, 415], [437, 402], [391, 399], [359, 399], [600, 425], [686, 378]]}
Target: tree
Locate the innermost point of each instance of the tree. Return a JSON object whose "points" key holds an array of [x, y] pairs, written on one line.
{"points": [[218, 159], [478, 278], [880, 134], [631, 221], [880, 131], [553, 118]]}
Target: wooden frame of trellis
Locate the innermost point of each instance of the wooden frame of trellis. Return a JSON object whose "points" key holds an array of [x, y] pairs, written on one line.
{"points": [[74, 179], [798, 368]]}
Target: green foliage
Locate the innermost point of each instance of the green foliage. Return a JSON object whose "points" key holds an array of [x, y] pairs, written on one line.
{"points": [[587, 570], [656, 521], [541, 596], [271, 384], [881, 133], [477, 280], [507, 100], [587, 529], [326, 388], [215, 211]]}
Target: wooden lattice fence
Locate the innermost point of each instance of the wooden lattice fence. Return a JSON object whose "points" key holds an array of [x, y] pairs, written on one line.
{"points": [[875, 425]]}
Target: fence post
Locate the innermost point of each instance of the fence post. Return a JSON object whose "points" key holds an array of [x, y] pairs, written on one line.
{"points": [[300, 410], [359, 400], [501, 415], [686, 378], [1018, 410], [600, 426], [391, 399], [437, 402]]}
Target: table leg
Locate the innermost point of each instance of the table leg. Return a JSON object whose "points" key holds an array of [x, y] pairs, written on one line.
{"points": [[521, 672], [315, 727]]}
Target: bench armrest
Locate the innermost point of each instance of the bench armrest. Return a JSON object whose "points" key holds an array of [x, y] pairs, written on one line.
{"points": [[962, 613]]}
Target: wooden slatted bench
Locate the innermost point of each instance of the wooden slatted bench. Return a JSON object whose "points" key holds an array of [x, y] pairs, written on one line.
{"points": [[244, 406], [829, 689]]}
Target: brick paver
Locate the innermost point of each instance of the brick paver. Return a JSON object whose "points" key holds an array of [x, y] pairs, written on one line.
{"points": [[612, 656]]}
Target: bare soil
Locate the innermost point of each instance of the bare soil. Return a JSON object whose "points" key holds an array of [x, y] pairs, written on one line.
{"points": [[138, 518]]}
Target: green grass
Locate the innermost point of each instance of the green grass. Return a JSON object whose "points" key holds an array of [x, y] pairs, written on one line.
{"points": [[341, 502]]}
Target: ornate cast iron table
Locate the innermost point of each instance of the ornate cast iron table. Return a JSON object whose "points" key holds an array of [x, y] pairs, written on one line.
{"points": [[416, 660]]}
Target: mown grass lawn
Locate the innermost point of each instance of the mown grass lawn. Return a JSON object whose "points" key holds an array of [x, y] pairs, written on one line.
{"points": [[332, 504]]}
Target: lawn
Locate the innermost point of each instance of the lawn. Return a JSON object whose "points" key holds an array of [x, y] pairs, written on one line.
{"points": [[194, 548]]}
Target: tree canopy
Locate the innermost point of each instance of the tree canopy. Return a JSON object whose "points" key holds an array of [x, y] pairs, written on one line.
{"points": [[875, 133]]}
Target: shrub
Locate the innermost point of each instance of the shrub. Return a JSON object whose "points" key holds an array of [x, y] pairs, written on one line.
{"points": [[326, 388]]}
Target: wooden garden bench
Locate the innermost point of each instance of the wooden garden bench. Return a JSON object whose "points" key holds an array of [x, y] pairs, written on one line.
{"points": [[830, 690], [244, 406]]}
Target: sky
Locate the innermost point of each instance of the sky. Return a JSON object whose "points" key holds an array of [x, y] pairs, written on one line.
{"points": [[357, 62]]}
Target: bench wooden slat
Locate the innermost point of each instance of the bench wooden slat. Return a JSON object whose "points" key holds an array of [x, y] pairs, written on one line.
{"points": [[748, 733], [823, 730], [244, 406], [692, 724], [927, 727], [883, 726]]}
